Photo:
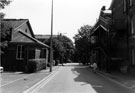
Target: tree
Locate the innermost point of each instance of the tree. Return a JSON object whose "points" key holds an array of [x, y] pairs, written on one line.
{"points": [[82, 44], [63, 48], [68, 47], [3, 33], [3, 3]]}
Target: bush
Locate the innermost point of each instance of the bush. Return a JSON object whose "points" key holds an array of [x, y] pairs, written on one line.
{"points": [[34, 65]]}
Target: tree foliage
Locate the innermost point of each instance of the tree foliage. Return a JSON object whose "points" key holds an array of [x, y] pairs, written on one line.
{"points": [[82, 44], [3, 33], [63, 48], [4, 3]]}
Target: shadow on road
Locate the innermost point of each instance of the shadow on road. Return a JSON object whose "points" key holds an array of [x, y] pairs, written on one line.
{"points": [[100, 84], [87, 76]]}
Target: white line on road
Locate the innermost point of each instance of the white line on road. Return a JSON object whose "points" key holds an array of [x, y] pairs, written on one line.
{"points": [[42, 83]]}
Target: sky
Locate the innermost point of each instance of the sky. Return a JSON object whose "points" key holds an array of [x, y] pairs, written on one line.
{"points": [[68, 15]]}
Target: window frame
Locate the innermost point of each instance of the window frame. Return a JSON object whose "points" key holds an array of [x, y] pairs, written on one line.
{"points": [[19, 52], [124, 6], [132, 27], [130, 3]]}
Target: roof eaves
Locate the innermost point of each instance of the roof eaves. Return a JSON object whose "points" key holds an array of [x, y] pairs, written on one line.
{"points": [[104, 28], [101, 27], [37, 41], [30, 29]]}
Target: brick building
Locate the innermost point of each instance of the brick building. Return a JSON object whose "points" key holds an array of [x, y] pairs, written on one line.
{"points": [[22, 46], [118, 27]]}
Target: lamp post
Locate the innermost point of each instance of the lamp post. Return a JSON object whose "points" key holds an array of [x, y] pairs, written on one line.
{"points": [[51, 50]]}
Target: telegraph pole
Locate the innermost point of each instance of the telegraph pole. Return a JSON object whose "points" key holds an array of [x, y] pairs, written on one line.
{"points": [[51, 50]]}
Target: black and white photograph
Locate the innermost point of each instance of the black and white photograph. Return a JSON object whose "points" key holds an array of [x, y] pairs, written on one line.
{"points": [[67, 46]]}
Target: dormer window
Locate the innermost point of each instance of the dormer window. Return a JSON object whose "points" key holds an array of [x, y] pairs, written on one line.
{"points": [[26, 30]]}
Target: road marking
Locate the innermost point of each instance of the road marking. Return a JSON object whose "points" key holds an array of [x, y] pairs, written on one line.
{"points": [[15, 80], [42, 83]]}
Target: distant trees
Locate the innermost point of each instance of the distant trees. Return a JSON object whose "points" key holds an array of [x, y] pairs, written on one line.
{"points": [[3, 3], [3, 33], [63, 48], [82, 44]]}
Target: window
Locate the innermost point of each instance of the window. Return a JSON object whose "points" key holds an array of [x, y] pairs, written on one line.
{"points": [[26, 30], [124, 5], [127, 4], [20, 52], [132, 27], [130, 3]]}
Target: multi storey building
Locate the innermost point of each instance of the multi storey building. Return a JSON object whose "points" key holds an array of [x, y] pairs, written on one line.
{"points": [[119, 26]]}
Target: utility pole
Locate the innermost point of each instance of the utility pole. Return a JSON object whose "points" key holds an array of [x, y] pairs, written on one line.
{"points": [[51, 50]]}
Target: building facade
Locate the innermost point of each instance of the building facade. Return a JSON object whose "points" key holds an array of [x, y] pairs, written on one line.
{"points": [[119, 26], [22, 46]]}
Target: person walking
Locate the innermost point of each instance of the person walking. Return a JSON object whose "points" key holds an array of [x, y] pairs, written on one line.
{"points": [[94, 66]]}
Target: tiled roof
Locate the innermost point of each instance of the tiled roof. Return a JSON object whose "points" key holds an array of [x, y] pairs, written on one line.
{"points": [[12, 23], [15, 24], [33, 39]]}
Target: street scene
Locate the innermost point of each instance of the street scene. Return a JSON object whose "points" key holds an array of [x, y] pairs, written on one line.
{"points": [[70, 78], [67, 46]]}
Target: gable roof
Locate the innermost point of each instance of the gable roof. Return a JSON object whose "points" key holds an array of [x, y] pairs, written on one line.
{"points": [[99, 26], [14, 24], [33, 39]]}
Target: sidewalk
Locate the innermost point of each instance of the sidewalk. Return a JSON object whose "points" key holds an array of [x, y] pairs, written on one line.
{"points": [[11, 77], [125, 79]]}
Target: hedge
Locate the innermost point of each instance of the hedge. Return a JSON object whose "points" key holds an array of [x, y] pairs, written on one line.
{"points": [[34, 65]]}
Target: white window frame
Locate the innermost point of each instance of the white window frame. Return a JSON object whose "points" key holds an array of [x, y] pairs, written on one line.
{"points": [[19, 54]]}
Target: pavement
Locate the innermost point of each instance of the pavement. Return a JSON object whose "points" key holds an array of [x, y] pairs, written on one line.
{"points": [[79, 79], [17, 82], [125, 79]]}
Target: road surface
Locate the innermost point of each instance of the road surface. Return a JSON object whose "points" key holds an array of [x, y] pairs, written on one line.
{"points": [[73, 78]]}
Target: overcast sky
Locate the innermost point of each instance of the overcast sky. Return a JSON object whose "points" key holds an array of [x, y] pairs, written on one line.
{"points": [[69, 15]]}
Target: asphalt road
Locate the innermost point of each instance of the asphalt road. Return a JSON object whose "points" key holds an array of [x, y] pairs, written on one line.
{"points": [[73, 78]]}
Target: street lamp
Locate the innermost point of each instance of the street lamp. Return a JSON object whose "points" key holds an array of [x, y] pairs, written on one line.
{"points": [[51, 51]]}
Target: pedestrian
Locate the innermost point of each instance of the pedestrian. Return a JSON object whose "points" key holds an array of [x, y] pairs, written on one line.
{"points": [[94, 66]]}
